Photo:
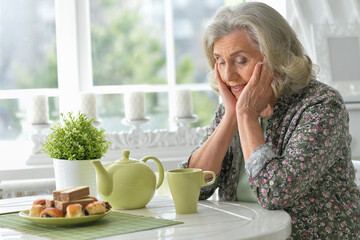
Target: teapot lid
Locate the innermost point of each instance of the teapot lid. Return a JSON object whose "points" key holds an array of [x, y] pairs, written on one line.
{"points": [[125, 154]]}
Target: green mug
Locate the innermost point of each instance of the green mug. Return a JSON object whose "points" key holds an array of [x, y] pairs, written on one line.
{"points": [[185, 185]]}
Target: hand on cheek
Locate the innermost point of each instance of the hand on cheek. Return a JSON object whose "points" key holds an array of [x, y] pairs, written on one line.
{"points": [[228, 99], [256, 96]]}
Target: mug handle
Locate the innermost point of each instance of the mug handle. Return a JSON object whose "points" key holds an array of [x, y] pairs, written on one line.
{"points": [[204, 183]]}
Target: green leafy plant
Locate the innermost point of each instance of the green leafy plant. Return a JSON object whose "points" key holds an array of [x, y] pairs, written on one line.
{"points": [[75, 138]]}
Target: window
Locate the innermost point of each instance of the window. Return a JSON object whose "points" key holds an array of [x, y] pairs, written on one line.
{"points": [[28, 66], [140, 43], [103, 46]]}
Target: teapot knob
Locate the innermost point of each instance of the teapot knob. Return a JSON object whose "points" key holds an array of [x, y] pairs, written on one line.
{"points": [[125, 154]]}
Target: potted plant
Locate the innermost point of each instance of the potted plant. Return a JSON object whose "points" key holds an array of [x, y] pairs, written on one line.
{"points": [[72, 143]]}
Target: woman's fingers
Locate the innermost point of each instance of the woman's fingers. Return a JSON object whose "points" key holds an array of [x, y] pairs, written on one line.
{"points": [[218, 78], [223, 88], [255, 77], [258, 92], [227, 97], [266, 73]]}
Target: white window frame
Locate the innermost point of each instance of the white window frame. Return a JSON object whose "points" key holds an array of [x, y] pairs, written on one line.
{"points": [[75, 64], [73, 46]]}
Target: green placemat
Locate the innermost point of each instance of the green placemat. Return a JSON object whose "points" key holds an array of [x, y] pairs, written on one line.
{"points": [[113, 224]]}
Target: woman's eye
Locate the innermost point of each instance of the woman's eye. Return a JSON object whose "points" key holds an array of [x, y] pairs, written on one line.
{"points": [[220, 61], [240, 60]]}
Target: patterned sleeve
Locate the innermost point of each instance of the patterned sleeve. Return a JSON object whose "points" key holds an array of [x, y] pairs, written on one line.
{"points": [[258, 159], [317, 137], [208, 191]]}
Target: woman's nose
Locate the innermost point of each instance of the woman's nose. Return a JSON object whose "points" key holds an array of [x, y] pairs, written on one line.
{"points": [[230, 74]]}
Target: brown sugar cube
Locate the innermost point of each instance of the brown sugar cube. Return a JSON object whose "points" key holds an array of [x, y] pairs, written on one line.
{"points": [[61, 205], [56, 193], [74, 193], [49, 203]]}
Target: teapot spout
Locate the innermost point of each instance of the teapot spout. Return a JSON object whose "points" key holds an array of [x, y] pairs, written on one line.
{"points": [[103, 179]]}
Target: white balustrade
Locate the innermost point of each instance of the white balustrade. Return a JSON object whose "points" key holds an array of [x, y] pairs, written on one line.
{"points": [[184, 136]]}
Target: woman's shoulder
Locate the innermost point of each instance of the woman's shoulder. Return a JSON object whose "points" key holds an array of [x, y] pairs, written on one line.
{"points": [[316, 92], [320, 89]]}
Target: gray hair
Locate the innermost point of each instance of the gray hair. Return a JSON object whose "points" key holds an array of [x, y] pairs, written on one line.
{"points": [[272, 35]]}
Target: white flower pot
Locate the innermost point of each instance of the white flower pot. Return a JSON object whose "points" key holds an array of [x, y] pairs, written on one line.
{"points": [[72, 173]]}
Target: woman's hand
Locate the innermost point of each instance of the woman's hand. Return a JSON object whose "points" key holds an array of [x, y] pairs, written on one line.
{"points": [[228, 99], [258, 94], [211, 154]]}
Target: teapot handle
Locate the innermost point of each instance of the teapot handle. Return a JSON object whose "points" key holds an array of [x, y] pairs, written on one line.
{"points": [[160, 168]]}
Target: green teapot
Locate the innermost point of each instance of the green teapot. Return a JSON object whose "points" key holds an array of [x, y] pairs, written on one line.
{"points": [[127, 183]]}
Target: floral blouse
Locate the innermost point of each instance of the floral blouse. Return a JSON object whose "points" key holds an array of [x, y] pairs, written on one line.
{"points": [[304, 168]]}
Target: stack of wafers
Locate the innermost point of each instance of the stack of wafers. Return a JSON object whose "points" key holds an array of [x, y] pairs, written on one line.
{"points": [[69, 202], [64, 197]]}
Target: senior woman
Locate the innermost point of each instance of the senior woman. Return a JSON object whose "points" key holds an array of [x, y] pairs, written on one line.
{"points": [[280, 137]]}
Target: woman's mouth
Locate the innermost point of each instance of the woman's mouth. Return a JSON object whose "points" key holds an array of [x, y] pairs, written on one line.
{"points": [[237, 88]]}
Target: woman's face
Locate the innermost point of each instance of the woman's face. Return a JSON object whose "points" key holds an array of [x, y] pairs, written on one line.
{"points": [[236, 57]]}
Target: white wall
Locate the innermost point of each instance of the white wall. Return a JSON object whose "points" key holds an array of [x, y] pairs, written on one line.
{"points": [[354, 112], [302, 16]]}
